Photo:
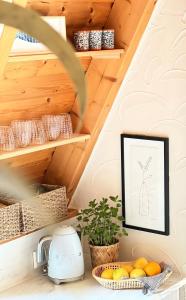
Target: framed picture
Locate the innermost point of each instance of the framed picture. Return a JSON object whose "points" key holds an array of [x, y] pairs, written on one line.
{"points": [[145, 183]]}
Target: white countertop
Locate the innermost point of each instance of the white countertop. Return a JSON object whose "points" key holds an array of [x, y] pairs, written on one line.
{"points": [[40, 288]]}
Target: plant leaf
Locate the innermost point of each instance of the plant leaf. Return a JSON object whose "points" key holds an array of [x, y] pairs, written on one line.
{"points": [[120, 218]]}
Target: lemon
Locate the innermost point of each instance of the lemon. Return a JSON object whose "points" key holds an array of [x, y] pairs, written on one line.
{"points": [[127, 267], [120, 273], [107, 274], [136, 273], [140, 263]]}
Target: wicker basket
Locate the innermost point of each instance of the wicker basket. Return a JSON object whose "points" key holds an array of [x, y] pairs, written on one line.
{"points": [[149, 283], [9, 221], [115, 284], [45, 209], [104, 254]]}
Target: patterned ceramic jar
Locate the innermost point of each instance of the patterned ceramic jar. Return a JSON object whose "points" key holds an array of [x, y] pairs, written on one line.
{"points": [[81, 40], [108, 39], [95, 40]]}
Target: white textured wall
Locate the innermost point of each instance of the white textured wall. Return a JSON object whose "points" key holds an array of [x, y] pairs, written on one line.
{"points": [[152, 100], [16, 257]]}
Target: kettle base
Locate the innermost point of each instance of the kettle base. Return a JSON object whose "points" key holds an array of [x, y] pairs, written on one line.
{"points": [[59, 281]]}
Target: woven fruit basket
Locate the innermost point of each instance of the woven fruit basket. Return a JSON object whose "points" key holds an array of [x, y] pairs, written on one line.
{"points": [[148, 283], [115, 284]]}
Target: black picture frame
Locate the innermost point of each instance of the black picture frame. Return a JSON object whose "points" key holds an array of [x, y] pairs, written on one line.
{"points": [[134, 191]]}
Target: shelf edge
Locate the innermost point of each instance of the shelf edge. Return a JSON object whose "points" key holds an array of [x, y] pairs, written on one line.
{"points": [[49, 145], [102, 54]]}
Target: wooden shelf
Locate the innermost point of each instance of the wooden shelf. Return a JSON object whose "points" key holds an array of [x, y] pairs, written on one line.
{"points": [[101, 54], [53, 144]]}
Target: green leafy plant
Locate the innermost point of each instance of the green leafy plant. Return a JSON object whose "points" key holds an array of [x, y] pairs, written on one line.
{"points": [[101, 221]]}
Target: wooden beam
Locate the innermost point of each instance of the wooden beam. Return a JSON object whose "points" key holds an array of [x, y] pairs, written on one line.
{"points": [[7, 40]]}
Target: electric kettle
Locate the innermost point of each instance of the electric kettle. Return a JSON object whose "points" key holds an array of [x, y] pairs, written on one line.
{"points": [[64, 256]]}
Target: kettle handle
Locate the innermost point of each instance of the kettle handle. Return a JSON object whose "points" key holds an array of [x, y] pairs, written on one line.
{"points": [[40, 250]]}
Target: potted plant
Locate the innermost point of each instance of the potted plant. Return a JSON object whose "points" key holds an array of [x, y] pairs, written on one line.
{"points": [[101, 223]]}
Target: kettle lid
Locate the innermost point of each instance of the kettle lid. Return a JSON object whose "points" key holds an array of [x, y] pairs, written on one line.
{"points": [[64, 230]]}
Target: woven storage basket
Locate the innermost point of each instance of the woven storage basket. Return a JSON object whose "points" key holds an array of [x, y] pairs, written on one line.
{"points": [[9, 221], [115, 284], [45, 209], [104, 254]]}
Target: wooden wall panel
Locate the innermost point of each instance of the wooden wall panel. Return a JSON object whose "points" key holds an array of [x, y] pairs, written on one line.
{"points": [[67, 160], [37, 68], [32, 166], [124, 17], [68, 163], [103, 84], [79, 14], [31, 89]]}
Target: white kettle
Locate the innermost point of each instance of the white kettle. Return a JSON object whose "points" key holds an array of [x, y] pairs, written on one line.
{"points": [[65, 255]]}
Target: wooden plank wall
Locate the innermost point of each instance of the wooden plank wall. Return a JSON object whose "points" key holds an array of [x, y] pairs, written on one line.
{"points": [[124, 17], [68, 161], [31, 89], [104, 79], [32, 166], [81, 14]]}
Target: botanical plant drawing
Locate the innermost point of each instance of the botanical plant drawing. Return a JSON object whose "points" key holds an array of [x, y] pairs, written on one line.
{"points": [[144, 190]]}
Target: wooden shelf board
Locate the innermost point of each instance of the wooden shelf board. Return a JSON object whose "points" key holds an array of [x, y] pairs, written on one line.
{"points": [[101, 54], [72, 212], [53, 144]]}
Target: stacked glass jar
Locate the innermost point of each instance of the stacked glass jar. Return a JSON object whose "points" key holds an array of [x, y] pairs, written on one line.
{"points": [[23, 133]]}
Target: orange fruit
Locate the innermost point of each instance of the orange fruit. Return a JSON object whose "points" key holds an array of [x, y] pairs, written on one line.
{"points": [[152, 268]]}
